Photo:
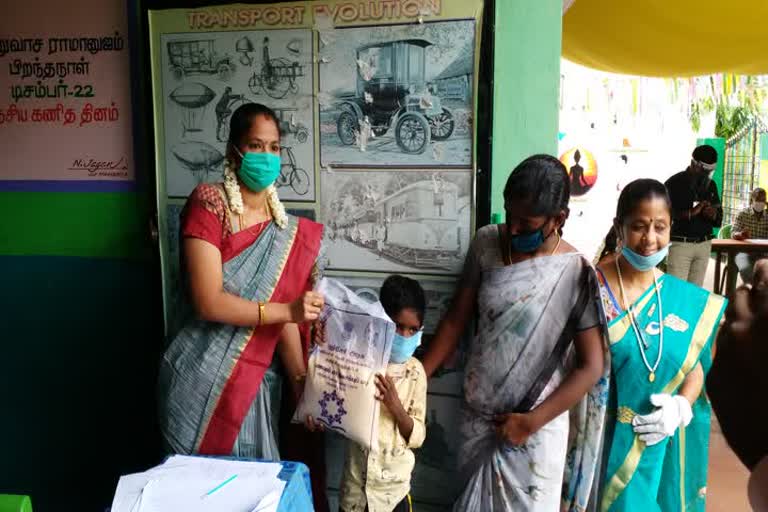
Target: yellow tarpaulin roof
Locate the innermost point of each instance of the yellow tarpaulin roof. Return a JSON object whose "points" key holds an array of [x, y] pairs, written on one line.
{"points": [[668, 38]]}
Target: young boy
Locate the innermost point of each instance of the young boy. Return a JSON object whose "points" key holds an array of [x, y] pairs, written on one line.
{"points": [[379, 480]]}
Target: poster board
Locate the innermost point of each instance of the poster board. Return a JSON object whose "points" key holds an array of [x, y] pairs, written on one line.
{"points": [[377, 101], [65, 106]]}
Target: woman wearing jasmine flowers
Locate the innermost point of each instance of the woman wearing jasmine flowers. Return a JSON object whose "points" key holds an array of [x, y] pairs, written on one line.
{"points": [[250, 271]]}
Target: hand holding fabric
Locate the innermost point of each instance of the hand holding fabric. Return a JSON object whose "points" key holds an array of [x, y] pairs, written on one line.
{"points": [[514, 428], [671, 412]]}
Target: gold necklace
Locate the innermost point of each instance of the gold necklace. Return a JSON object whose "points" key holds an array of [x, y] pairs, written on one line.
{"points": [[268, 214]]}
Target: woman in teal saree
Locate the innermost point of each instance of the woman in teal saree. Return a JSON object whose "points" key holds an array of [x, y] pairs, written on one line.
{"points": [[660, 332]]}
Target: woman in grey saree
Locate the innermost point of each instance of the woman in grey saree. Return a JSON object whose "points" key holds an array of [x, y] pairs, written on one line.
{"points": [[538, 353], [251, 268]]}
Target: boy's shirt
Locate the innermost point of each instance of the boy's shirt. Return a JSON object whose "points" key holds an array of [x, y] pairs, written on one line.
{"points": [[381, 478]]}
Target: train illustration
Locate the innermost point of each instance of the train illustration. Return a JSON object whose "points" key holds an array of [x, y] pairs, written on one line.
{"points": [[422, 225]]}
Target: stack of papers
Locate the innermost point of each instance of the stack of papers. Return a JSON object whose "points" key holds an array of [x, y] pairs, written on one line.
{"points": [[201, 484]]}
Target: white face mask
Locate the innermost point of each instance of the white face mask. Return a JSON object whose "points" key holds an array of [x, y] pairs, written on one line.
{"points": [[758, 207]]}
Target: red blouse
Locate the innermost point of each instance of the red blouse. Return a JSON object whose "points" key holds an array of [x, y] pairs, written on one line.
{"points": [[207, 216]]}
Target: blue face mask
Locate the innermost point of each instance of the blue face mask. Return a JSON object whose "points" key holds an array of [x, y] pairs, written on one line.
{"points": [[403, 348], [527, 242], [644, 263], [258, 170]]}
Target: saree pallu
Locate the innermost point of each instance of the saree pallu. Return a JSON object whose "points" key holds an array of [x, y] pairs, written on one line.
{"points": [[218, 386], [671, 475], [524, 312]]}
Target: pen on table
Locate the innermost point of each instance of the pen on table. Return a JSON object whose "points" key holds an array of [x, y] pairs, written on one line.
{"points": [[222, 484]]}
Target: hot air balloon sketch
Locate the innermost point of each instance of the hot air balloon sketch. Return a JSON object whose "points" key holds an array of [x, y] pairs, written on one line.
{"points": [[217, 77], [193, 99], [199, 158], [295, 47], [244, 46]]}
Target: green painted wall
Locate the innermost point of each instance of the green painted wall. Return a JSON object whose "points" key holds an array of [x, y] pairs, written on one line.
{"points": [[93, 225], [526, 87]]}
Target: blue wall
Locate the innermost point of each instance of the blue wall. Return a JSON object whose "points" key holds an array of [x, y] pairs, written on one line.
{"points": [[77, 370]]}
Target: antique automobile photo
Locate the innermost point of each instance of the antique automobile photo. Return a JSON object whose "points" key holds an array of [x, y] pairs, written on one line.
{"points": [[398, 96], [289, 125], [199, 57], [392, 93]]}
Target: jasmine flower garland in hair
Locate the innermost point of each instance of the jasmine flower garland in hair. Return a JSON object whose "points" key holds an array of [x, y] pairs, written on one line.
{"points": [[276, 207], [232, 188]]}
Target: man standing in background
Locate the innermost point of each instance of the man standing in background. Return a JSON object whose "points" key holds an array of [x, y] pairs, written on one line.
{"points": [[696, 211]]}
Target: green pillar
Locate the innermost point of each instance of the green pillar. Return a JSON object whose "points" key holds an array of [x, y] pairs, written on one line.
{"points": [[526, 85]]}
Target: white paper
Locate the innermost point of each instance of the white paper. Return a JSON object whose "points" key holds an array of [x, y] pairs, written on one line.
{"points": [[182, 482], [271, 501], [188, 492]]}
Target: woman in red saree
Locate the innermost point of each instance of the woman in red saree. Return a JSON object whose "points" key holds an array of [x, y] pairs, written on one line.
{"points": [[251, 269]]}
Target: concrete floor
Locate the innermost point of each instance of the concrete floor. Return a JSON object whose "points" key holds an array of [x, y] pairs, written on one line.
{"points": [[727, 480]]}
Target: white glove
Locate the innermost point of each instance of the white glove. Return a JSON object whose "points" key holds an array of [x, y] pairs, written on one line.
{"points": [[671, 413]]}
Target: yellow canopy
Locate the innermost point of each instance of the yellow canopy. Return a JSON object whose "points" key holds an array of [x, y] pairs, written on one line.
{"points": [[668, 38]]}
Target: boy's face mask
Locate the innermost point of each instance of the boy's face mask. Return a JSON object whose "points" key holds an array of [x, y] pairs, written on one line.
{"points": [[403, 348]]}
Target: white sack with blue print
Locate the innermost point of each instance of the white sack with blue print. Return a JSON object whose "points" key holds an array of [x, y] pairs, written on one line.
{"points": [[340, 390]]}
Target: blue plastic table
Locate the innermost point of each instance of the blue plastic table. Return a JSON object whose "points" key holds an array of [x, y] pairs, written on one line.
{"points": [[297, 495]]}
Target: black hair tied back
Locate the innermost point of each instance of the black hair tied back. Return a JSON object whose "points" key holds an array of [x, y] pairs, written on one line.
{"points": [[543, 181]]}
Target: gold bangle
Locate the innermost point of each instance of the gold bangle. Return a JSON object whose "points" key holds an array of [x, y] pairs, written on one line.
{"points": [[262, 315]]}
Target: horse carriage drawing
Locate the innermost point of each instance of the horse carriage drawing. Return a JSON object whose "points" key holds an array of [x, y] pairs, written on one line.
{"points": [[276, 77], [199, 57], [392, 93]]}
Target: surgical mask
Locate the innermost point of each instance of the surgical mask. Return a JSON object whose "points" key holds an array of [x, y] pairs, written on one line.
{"points": [[403, 348], [258, 170], [644, 263], [527, 242], [759, 206]]}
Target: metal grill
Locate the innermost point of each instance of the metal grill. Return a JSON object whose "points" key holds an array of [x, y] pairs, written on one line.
{"points": [[741, 171]]}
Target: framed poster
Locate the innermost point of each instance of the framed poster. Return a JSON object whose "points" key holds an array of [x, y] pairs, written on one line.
{"points": [[399, 96], [435, 478], [65, 80], [206, 77], [376, 102], [415, 222]]}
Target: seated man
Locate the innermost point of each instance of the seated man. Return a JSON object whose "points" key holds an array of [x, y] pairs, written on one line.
{"points": [[751, 223]]}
